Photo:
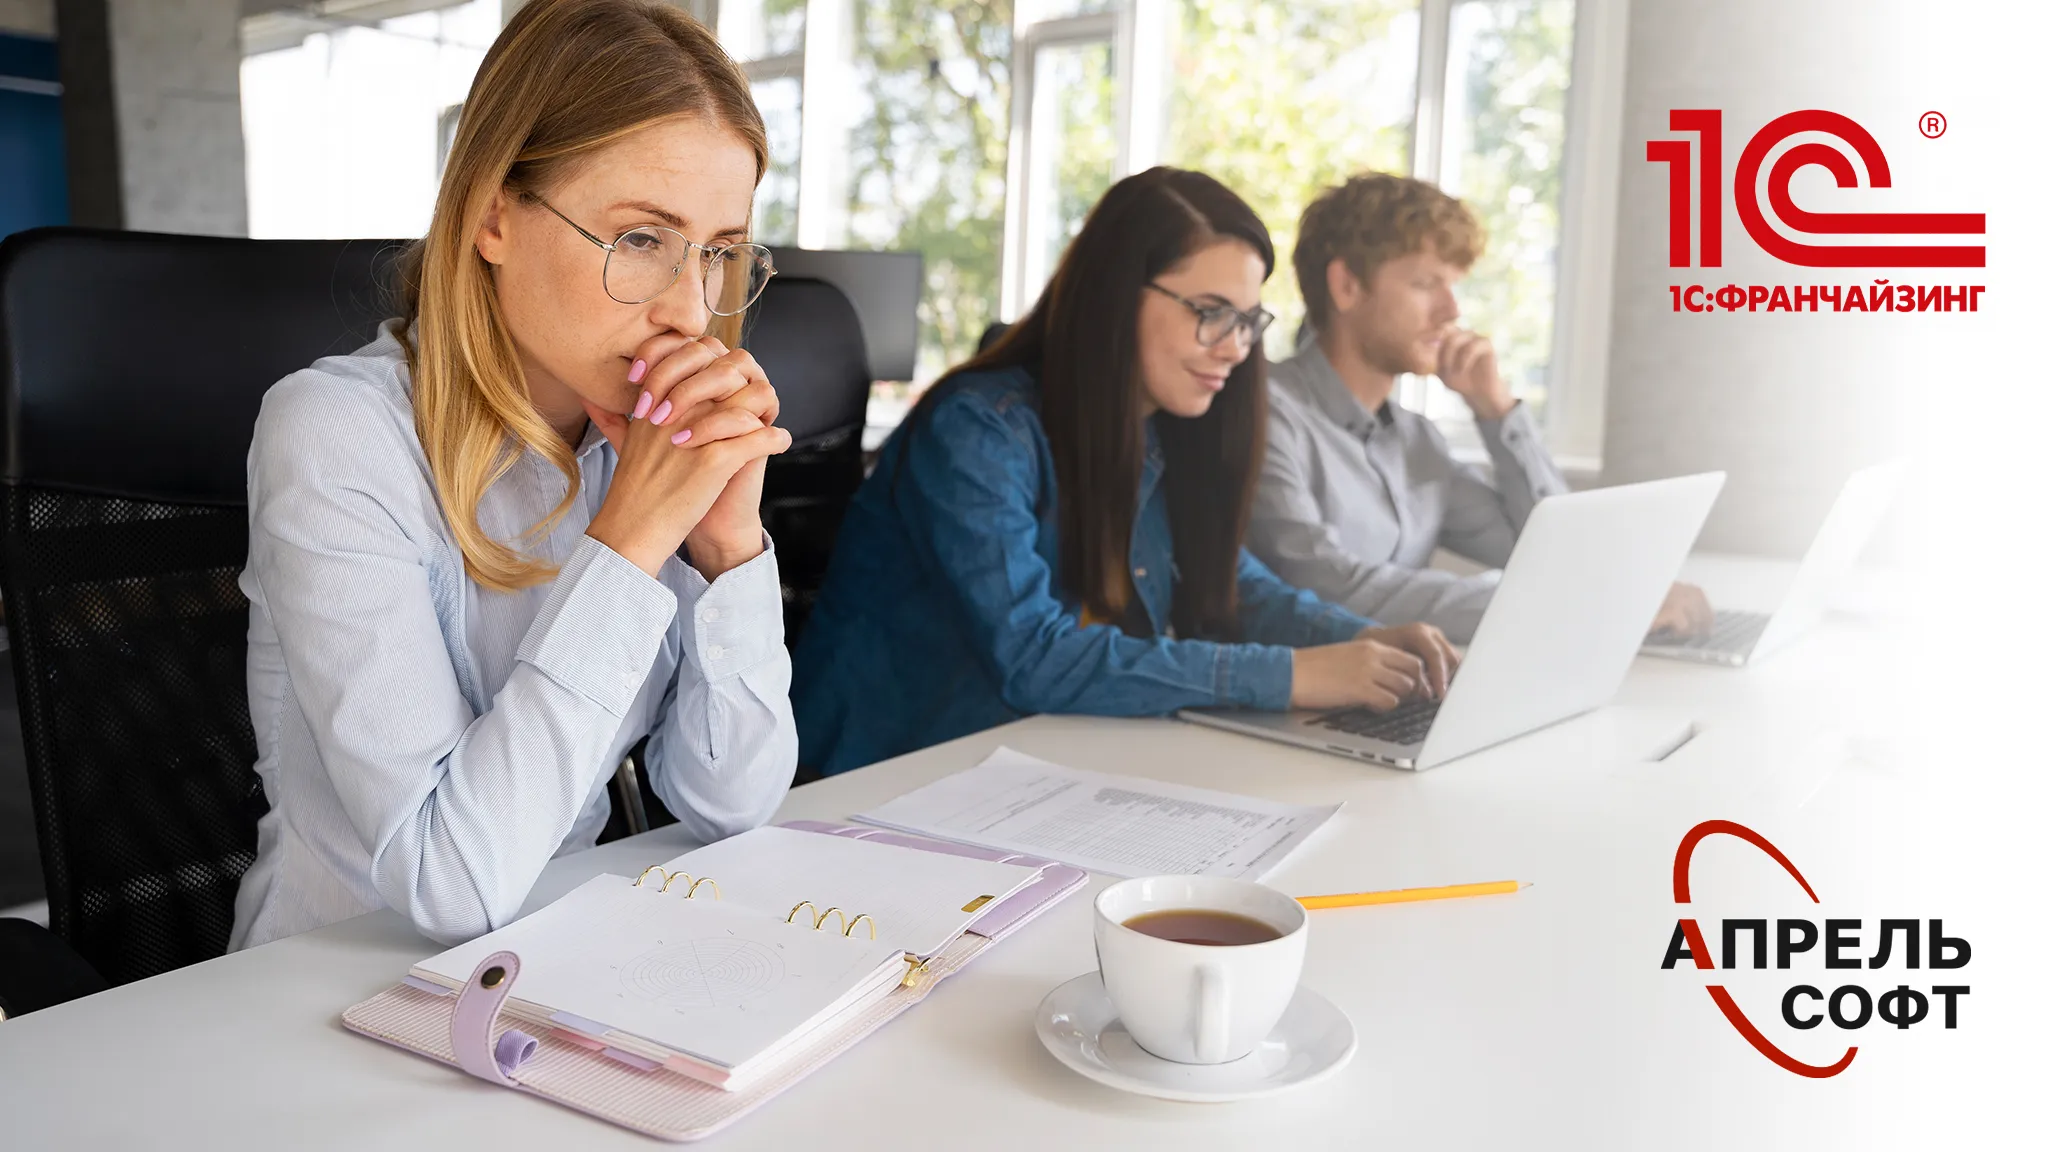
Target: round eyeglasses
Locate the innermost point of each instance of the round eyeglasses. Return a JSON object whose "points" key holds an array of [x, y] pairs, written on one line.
{"points": [[644, 261], [1214, 322]]}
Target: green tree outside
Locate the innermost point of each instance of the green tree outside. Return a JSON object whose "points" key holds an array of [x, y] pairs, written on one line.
{"points": [[1517, 59], [1277, 99], [1269, 97], [928, 165]]}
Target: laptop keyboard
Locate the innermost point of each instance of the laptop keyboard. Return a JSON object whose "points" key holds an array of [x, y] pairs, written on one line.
{"points": [[1732, 632], [1407, 724]]}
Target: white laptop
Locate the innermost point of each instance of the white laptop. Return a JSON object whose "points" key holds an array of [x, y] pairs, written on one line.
{"points": [[1584, 583], [1740, 637]]}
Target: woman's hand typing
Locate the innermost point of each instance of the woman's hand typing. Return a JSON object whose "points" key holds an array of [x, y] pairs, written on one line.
{"points": [[1380, 669]]}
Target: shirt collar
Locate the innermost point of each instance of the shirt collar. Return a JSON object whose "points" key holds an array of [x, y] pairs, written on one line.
{"points": [[1325, 389], [593, 440]]}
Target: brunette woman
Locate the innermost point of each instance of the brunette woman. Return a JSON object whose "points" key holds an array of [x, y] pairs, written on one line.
{"points": [[1059, 525]]}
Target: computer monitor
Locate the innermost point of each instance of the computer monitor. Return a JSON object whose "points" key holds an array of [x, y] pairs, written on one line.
{"points": [[884, 288]]}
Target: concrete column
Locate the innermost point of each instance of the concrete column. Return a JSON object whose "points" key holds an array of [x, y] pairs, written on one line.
{"points": [[1786, 404], [153, 115]]}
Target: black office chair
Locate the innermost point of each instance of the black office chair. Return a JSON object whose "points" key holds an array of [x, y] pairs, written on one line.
{"points": [[808, 341], [132, 367], [131, 370]]}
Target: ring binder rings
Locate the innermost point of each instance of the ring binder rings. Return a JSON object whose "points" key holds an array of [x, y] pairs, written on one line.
{"points": [[668, 878], [846, 926], [580, 1064]]}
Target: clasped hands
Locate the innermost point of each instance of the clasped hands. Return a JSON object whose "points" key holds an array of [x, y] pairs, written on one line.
{"points": [[692, 454]]}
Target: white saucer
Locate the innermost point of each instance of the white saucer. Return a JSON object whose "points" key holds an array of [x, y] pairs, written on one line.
{"points": [[1078, 1025]]}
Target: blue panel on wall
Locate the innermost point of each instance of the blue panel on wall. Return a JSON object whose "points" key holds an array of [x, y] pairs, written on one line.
{"points": [[32, 184]]}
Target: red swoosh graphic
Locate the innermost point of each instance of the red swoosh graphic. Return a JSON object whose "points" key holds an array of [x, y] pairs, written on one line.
{"points": [[1750, 165], [1681, 891]]}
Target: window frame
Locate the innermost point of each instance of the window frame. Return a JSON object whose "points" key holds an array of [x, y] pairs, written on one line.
{"points": [[1026, 39], [1589, 181]]}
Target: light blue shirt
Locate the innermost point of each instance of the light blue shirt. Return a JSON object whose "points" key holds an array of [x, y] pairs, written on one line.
{"points": [[428, 745]]}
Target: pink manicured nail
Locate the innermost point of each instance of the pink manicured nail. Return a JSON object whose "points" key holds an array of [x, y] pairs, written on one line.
{"points": [[646, 401], [662, 412], [638, 370], [680, 437]]}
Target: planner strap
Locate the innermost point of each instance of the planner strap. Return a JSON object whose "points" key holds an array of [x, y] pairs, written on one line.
{"points": [[476, 1012]]}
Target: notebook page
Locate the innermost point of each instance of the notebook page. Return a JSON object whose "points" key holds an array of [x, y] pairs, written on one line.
{"points": [[1119, 825], [919, 901], [720, 982]]}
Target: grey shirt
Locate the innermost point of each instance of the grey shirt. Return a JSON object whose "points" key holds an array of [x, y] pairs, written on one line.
{"points": [[1352, 503]]}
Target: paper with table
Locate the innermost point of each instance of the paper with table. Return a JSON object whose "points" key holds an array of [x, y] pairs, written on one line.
{"points": [[1120, 825]]}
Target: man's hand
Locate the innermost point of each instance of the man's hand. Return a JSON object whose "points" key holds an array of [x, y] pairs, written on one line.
{"points": [[1685, 613], [1466, 364]]}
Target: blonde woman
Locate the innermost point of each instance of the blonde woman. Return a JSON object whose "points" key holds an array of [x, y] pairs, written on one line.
{"points": [[494, 548]]}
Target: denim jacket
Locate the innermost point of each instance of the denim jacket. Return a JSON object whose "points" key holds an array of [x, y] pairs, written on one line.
{"points": [[942, 612]]}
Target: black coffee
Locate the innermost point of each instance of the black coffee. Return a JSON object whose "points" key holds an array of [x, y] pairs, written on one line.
{"points": [[1199, 926]]}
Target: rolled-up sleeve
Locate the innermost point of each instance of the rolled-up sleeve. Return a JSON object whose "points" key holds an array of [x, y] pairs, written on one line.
{"points": [[969, 488], [457, 812], [723, 749]]}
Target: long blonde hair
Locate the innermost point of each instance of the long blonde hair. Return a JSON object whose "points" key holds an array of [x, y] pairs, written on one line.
{"points": [[564, 79]]}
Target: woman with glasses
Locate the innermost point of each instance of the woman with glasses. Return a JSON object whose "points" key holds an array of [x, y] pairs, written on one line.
{"points": [[518, 532], [1059, 524]]}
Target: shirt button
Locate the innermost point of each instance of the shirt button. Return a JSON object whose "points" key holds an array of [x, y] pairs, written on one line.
{"points": [[1139, 573], [709, 615], [714, 651]]}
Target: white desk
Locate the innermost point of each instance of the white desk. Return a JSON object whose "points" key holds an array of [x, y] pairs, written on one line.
{"points": [[1499, 1022]]}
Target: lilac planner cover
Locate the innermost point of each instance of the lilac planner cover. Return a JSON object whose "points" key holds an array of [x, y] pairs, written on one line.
{"points": [[1000, 919]]}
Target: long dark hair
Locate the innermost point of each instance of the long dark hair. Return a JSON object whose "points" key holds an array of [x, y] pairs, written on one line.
{"points": [[1082, 339]]}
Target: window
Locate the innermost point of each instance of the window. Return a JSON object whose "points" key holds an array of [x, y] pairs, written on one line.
{"points": [[781, 101], [1067, 155], [1072, 161], [980, 132], [907, 153], [767, 38], [1279, 98], [926, 138], [1508, 67], [345, 112]]}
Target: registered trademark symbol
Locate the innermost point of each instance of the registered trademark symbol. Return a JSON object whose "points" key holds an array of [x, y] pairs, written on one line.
{"points": [[1933, 124]]}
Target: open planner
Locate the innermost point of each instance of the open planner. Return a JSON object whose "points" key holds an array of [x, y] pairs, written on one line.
{"points": [[675, 1000]]}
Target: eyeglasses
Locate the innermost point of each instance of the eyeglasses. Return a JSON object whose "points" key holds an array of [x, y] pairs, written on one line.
{"points": [[1214, 322], [644, 261]]}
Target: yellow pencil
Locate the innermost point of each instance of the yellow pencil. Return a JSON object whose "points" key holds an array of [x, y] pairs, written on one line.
{"points": [[1403, 895]]}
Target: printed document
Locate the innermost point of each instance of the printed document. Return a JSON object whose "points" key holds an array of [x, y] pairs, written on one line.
{"points": [[1119, 825]]}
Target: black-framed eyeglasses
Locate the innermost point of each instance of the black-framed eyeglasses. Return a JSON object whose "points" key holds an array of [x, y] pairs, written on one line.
{"points": [[644, 261], [1214, 322]]}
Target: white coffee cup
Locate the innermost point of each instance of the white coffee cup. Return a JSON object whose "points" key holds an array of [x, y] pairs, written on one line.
{"points": [[1198, 1003]]}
